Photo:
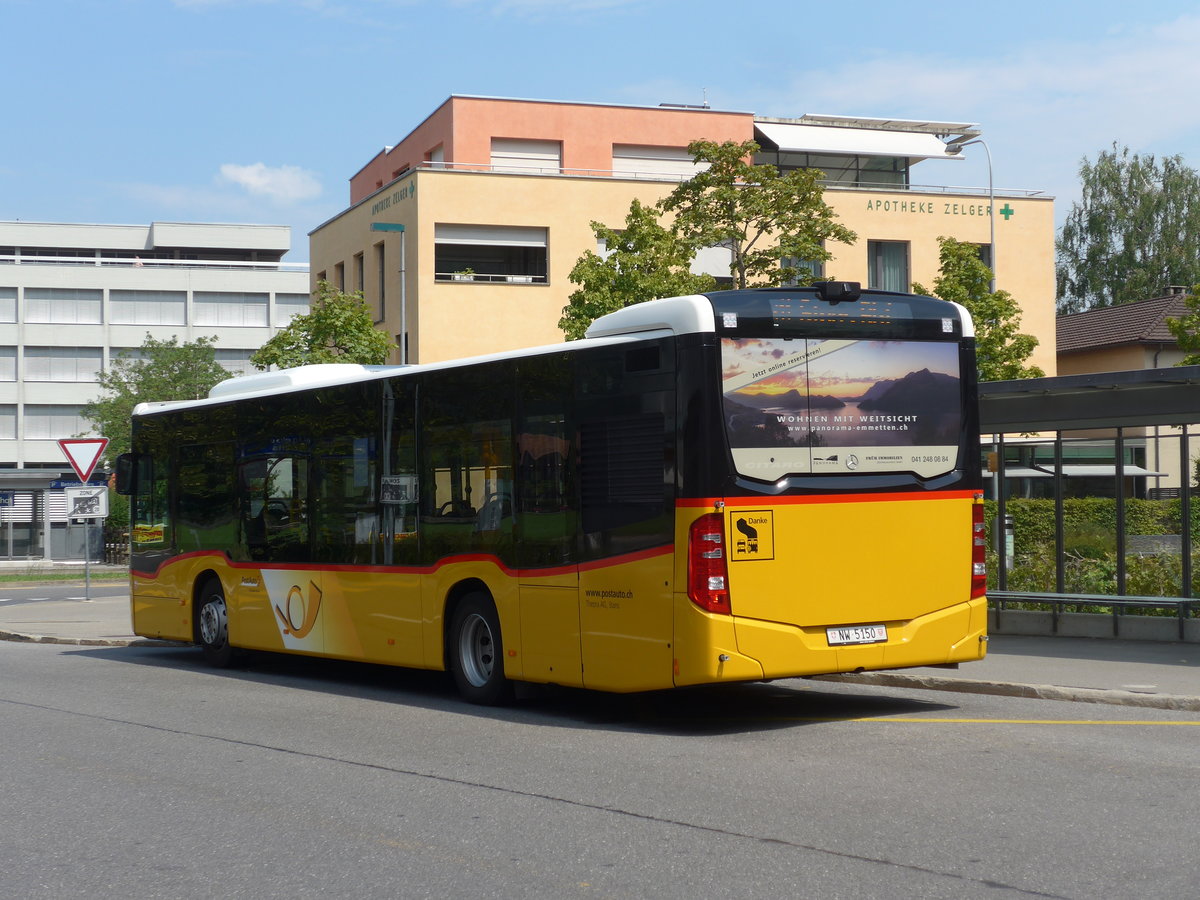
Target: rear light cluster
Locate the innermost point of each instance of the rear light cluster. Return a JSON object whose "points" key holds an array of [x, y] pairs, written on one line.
{"points": [[708, 581], [978, 551]]}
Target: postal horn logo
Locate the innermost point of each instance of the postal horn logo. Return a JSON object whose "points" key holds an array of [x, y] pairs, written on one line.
{"points": [[299, 614]]}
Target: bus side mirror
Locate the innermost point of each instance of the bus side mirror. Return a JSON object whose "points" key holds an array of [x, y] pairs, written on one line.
{"points": [[125, 469]]}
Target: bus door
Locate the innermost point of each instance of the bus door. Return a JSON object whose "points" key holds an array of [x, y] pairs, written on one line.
{"points": [[282, 607], [547, 515], [626, 398]]}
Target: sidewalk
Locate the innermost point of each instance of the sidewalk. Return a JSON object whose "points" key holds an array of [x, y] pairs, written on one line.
{"points": [[1088, 670]]}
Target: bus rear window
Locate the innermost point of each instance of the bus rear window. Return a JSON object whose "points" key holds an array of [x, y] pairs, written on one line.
{"points": [[802, 406]]}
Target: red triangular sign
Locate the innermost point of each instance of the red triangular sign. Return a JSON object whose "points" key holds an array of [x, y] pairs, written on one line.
{"points": [[83, 454]]}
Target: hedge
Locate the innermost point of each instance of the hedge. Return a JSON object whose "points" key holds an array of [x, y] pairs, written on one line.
{"points": [[1090, 558]]}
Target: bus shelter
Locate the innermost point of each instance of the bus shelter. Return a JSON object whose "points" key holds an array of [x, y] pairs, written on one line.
{"points": [[1156, 409]]}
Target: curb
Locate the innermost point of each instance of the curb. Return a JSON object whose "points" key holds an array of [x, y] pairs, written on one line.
{"points": [[1031, 691], [86, 642], [880, 679]]}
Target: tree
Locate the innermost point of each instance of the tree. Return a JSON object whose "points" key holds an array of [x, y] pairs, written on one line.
{"points": [[339, 328], [768, 220], [1000, 349], [163, 370], [1134, 232], [1187, 330], [645, 261]]}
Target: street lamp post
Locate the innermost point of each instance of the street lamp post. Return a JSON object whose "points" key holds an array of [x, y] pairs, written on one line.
{"points": [[956, 147]]}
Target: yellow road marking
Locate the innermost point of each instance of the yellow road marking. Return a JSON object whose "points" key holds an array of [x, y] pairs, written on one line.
{"points": [[1019, 721]]}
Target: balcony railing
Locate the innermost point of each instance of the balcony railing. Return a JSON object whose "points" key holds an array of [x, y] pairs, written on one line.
{"points": [[493, 279], [676, 178]]}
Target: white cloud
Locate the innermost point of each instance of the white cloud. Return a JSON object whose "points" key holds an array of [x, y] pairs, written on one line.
{"points": [[1043, 104], [280, 184]]}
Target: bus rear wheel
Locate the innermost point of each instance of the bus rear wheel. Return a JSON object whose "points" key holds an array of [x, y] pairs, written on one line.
{"points": [[212, 619], [477, 652]]}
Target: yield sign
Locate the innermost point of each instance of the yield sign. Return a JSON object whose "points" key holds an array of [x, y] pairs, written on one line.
{"points": [[83, 454]]}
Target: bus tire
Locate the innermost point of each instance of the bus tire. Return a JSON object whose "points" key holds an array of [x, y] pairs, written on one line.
{"points": [[212, 624], [477, 652]]}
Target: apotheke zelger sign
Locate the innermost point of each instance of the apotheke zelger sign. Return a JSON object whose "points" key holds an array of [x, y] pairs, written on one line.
{"points": [[938, 208]]}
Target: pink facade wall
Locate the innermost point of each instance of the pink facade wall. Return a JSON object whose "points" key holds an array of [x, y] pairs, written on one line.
{"points": [[465, 126]]}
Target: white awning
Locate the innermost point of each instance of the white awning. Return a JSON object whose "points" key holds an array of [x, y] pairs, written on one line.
{"points": [[1020, 472], [853, 141], [494, 235], [1070, 471]]}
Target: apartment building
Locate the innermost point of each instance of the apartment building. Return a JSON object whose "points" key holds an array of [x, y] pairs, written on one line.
{"points": [[74, 297], [462, 235]]}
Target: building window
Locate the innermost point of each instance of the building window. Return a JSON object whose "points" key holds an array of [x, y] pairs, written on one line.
{"points": [[229, 308], [62, 306], [857, 171], [8, 363], [132, 354], [147, 307], [8, 422], [381, 278], [235, 362], [985, 254], [8, 304], [360, 275], [289, 305], [715, 261], [62, 363], [57, 256], [339, 276], [493, 253], [48, 422], [815, 269], [525, 156], [637, 161], [887, 266]]}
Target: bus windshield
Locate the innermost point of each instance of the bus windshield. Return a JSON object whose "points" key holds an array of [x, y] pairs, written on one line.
{"points": [[877, 391]]}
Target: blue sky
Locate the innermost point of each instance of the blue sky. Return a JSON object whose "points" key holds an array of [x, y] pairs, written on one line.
{"points": [[133, 111]]}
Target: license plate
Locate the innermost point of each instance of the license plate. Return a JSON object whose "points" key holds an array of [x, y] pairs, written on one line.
{"points": [[857, 634]]}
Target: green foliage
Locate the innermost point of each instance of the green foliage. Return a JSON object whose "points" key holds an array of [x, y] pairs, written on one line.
{"points": [[1000, 349], [1187, 333], [646, 261], [761, 215], [167, 370], [1134, 232], [338, 329], [765, 219]]}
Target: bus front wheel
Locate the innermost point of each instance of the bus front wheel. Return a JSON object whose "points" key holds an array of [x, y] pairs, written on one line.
{"points": [[477, 652], [213, 625]]}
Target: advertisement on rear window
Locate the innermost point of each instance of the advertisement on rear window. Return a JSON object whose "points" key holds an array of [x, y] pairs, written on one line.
{"points": [[816, 407]]}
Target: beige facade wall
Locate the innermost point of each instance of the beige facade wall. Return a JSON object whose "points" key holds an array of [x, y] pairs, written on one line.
{"points": [[1024, 263], [1130, 358], [450, 320]]}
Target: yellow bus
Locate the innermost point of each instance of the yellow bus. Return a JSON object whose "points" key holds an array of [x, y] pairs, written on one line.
{"points": [[739, 486]]}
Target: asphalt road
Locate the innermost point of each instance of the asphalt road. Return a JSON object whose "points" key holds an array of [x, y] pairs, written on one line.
{"points": [[138, 772], [16, 594]]}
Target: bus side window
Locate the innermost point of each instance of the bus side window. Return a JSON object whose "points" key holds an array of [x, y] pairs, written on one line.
{"points": [[467, 459], [206, 503], [149, 509], [626, 457], [275, 508]]}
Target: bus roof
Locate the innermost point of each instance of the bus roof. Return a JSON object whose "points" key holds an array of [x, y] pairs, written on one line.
{"points": [[300, 378]]}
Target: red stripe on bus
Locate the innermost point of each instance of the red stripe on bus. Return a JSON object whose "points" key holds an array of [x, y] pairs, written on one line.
{"points": [[759, 500], [592, 565]]}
